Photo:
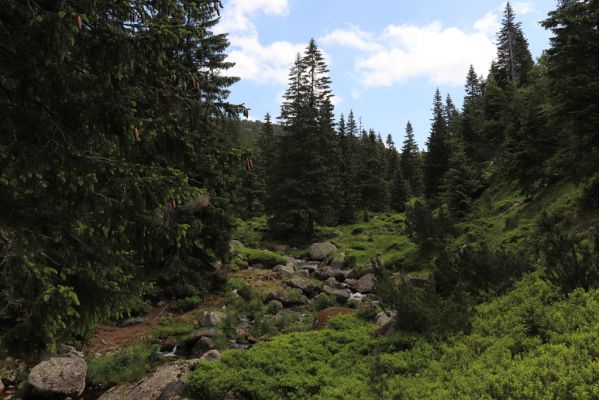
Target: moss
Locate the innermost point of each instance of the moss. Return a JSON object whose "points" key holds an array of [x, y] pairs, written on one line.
{"points": [[265, 257]]}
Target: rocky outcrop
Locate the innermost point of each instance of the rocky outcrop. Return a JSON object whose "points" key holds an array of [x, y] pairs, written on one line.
{"points": [[165, 383], [59, 376], [365, 284], [320, 251], [342, 295]]}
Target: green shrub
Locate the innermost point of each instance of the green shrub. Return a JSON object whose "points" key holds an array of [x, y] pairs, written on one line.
{"points": [[168, 327], [267, 258], [127, 366], [186, 304], [324, 300]]}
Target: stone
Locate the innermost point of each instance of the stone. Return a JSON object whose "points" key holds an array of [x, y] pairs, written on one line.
{"points": [[308, 288], [320, 251], [59, 376], [310, 267], [10, 369], [296, 300], [64, 350], [303, 273], [384, 318], [355, 274], [165, 383], [342, 295], [243, 329], [212, 355], [332, 282], [355, 300], [212, 318], [204, 345], [286, 272], [365, 284]]}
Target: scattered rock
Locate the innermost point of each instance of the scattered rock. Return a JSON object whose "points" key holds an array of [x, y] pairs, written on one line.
{"points": [[59, 375], [320, 251], [383, 318], [286, 272], [308, 266], [355, 300], [288, 301], [303, 273], [165, 383], [365, 284], [212, 355], [212, 318], [65, 350], [342, 295], [243, 329], [204, 345], [355, 274], [332, 282], [322, 319], [10, 369], [310, 289]]}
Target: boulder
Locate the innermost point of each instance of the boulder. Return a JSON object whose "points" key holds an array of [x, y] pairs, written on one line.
{"points": [[204, 345], [342, 295], [212, 355], [303, 273], [59, 376], [243, 329], [357, 274], [212, 318], [165, 383], [384, 318], [288, 301], [332, 282], [310, 266], [365, 284], [320, 251], [308, 288], [286, 272], [355, 300]]}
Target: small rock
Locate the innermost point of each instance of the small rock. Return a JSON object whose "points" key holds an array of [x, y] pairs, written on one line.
{"points": [[320, 251], [365, 284], [332, 282], [355, 300], [59, 375], [212, 355], [204, 345], [243, 329], [342, 295], [355, 274], [309, 288], [212, 318], [338, 261], [286, 272], [310, 267], [383, 318], [64, 350], [303, 273]]}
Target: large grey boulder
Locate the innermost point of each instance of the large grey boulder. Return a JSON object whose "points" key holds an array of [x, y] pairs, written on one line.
{"points": [[165, 383], [365, 284], [384, 318], [59, 376], [310, 289], [320, 251], [342, 295]]}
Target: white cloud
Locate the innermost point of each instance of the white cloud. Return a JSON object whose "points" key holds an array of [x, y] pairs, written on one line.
{"points": [[253, 60], [337, 100], [441, 54], [353, 38], [523, 8], [489, 24]]}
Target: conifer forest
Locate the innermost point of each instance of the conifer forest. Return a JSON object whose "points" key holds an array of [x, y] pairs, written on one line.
{"points": [[159, 241]]}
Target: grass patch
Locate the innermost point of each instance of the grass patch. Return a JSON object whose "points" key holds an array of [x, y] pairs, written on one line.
{"points": [[167, 327], [127, 366]]}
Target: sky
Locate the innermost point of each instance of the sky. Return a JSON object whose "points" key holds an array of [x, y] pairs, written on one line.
{"points": [[386, 57]]}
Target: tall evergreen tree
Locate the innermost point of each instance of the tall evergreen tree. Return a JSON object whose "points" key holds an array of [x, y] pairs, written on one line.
{"points": [[514, 60], [411, 165], [113, 160], [346, 134], [573, 67], [461, 181], [439, 149], [472, 120], [372, 175], [305, 186]]}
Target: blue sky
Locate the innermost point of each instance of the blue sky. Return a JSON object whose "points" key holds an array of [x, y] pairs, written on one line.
{"points": [[386, 57]]}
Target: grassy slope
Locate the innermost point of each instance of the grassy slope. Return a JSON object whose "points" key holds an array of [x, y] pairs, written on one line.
{"points": [[527, 344]]}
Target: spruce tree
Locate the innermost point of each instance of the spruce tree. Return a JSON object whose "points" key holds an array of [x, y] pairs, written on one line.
{"points": [[472, 120], [514, 60], [113, 161], [347, 144], [411, 164], [436, 161], [461, 181], [305, 186]]}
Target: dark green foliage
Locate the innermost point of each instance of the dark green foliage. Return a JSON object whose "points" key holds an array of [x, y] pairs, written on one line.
{"points": [[422, 310], [478, 268], [113, 165], [411, 163], [349, 186], [436, 160], [573, 62], [305, 189], [374, 187], [571, 257], [514, 60], [427, 230], [461, 181], [472, 119]]}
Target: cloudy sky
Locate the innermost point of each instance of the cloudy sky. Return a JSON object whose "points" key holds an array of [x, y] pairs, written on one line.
{"points": [[386, 57]]}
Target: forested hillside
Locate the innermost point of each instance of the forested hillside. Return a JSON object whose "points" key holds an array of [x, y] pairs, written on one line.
{"points": [[188, 251]]}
